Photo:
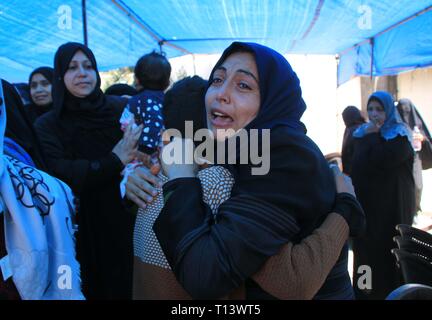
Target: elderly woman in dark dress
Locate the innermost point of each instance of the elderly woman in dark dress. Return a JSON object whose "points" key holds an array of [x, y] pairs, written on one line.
{"points": [[423, 156], [382, 176]]}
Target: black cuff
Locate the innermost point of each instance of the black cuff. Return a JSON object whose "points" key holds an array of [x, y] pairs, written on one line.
{"points": [[115, 158], [130, 206], [350, 209]]}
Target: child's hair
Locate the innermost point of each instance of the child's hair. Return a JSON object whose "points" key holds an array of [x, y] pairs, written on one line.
{"points": [[153, 71], [185, 102]]}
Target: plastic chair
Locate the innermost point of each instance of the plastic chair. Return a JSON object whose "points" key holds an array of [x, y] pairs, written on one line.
{"points": [[416, 247], [411, 291], [415, 268], [417, 235]]}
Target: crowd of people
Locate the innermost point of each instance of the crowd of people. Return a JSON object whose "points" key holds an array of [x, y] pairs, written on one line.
{"points": [[85, 185]]}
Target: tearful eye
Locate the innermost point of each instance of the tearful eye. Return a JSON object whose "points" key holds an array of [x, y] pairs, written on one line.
{"points": [[243, 85], [216, 81]]}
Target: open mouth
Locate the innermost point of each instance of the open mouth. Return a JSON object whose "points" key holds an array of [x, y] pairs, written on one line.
{"points": [[220, 119]]}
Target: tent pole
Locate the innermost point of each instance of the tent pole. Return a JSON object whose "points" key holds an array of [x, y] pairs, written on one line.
{"points": [[372, 41], [194, 66], [84, 17]]}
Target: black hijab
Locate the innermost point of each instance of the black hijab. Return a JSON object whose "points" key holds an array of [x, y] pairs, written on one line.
{"points": [[352, 116], [411, 116], [280, 92], [19, 127], [90, 112]]}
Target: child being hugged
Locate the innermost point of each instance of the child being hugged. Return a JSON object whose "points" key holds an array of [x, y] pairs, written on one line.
{"points": [[152, 76]]}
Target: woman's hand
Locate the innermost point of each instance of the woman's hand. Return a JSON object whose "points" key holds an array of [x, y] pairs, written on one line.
{"points": [[150, 161], [127, 147], [343, 182], [372, 127], [347, 205], [141, 186], [174, 165]]}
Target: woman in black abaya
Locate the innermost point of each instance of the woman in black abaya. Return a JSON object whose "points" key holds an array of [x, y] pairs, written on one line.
{"points": [[423, 157], [382, 176], [83, 143], [352, 119]]}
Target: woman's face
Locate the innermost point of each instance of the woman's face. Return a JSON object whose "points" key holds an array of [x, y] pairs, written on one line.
{"points": [[40, 90], [233, 98], [376, 113], [406, 109], [80, 77]]}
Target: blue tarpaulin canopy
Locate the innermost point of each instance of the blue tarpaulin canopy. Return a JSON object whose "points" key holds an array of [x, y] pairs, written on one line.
{"points": [[383, 37]]}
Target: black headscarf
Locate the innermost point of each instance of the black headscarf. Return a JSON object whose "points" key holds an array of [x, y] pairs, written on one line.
{"points": [[89, 112], [411, 116], [281, 96], [37, 110], [19, 127], [352, 116]]}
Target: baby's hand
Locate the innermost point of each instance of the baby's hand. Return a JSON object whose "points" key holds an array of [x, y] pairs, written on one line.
{"points": [[127, 118]]}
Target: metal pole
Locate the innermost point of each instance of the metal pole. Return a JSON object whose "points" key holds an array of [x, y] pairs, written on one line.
{"points": [[372, 41], [84, 14], [194, 65]]}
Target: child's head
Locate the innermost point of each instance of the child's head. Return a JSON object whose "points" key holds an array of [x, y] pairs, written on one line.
{"points": [[152, 72]]}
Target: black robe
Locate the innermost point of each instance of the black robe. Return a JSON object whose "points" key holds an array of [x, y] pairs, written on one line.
{"points": [[83, 159], [78, 136], [384, 184], [352, 118]]}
